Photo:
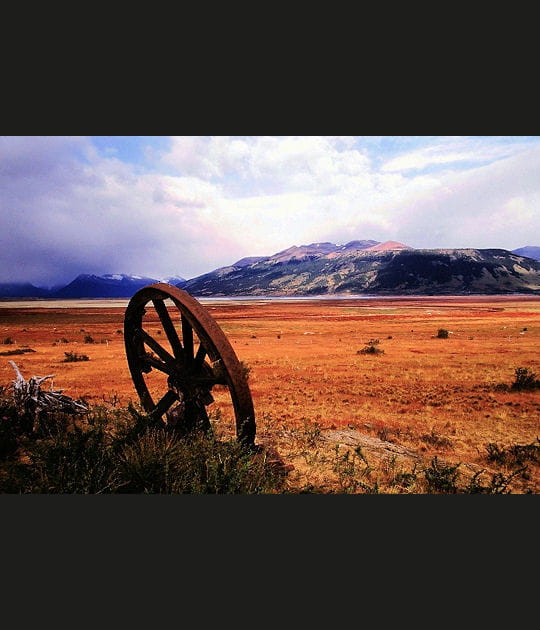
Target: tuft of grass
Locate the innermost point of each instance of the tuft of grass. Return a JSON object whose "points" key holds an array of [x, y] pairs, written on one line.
{"points": [[246, 369], [121, 451], [436, 440], [353, 472]]}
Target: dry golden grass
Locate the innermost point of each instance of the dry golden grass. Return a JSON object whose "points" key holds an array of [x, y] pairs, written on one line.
{"points": [[317, 399]]}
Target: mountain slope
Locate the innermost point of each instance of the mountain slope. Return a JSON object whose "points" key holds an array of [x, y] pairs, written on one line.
{"points": [[530, 251], [21, 290], [376, 271], [107, 286]]}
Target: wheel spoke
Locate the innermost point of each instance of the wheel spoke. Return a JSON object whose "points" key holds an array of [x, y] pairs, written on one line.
{"points": [[156, 347], [164, 403], [208, 381], [198, 415], [199, 357], [187, 337], [203, 417], [169, 328], [159, 365]]}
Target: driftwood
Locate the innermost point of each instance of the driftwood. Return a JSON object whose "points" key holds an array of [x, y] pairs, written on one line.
{"points": [[379, 448], [29, 397]]}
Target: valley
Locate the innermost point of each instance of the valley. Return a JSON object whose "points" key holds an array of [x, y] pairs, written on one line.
{"points": [[341, 418]]}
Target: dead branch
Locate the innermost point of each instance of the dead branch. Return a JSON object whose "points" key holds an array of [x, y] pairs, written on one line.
{"points": [[29, 397]]}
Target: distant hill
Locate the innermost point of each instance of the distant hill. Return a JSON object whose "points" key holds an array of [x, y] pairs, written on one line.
{"points": [[387, 246], [177, 281], [107, 286], [380, 268], [530, 250], [244, 262], [324, 268], [22, 290], [316, 250]]}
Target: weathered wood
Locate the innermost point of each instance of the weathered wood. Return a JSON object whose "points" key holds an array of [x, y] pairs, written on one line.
{"points": [[29, 397]]}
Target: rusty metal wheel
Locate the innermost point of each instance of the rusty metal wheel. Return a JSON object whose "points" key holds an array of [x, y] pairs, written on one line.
{"points": [[176, 354]]}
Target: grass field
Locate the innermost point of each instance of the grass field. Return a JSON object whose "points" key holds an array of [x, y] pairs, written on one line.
{"points": [[388, 395]]}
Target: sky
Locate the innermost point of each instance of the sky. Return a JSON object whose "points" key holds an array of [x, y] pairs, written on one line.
{"points": [[162, 206]]}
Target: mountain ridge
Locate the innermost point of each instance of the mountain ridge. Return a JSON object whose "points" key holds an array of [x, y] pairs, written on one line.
{"points": [[383, 268], [357, 266]]}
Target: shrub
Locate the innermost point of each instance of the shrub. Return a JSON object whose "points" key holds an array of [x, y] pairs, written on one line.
{"points": [[406, 479], [441, 477], [8, 341], [525, 378], [121, 451], [371, 348], [515, 454], [17, 351], [442, 333], [72, 357], [498, 485], [89, 339]]}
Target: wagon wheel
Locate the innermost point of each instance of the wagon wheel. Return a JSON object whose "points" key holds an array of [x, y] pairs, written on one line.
{"points": [[190, 358]]}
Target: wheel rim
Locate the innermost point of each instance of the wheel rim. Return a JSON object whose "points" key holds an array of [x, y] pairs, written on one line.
{"points": [[188, 360]]}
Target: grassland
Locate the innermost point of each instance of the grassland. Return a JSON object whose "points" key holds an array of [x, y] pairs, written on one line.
{"points": [[422, 413]]}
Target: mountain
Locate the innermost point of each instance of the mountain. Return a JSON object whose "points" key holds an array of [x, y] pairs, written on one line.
{"points": [[21, 290], [358, 267], [530, 251], [387, 246], [107, 286], [316, 250], [176, 280], [378, 268], [249, 260]]}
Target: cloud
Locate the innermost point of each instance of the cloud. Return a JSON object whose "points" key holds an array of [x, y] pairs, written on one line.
{"points": [[63, 214], [497, 205], [451, 151], [69, 205]]}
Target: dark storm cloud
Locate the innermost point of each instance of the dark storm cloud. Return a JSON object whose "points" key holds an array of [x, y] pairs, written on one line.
{"points": [[64, 210]]}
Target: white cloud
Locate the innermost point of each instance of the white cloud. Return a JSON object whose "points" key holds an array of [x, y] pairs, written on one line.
{"points": [[67, 209], [452, 151], [479, 207]]}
